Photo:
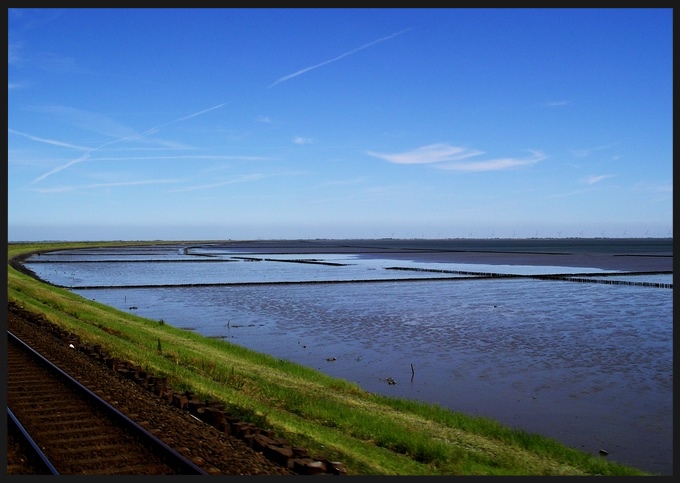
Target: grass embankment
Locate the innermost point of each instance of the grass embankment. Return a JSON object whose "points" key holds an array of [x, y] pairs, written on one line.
{"points": [[333, 418]]}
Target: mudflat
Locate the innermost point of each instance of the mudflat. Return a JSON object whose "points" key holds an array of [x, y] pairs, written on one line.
{"points": [[627, 263], [598, 256]]}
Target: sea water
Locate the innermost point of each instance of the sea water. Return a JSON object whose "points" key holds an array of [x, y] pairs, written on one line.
{"points": [[587, 364]]}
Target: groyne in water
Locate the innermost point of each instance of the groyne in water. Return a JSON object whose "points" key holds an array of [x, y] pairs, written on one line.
{"points": [[563, 277], [468, 276], [610, 282], [197, 260], [597, 277], [240, 284]]}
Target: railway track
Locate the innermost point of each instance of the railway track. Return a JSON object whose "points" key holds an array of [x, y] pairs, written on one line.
{"points": [[77, 432], [24, 457]]}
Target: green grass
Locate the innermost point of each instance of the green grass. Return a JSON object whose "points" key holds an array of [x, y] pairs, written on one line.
{"points": [[333, 418]]}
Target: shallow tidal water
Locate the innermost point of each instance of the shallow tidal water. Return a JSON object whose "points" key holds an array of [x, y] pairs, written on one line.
{"points": [[587, 364]]}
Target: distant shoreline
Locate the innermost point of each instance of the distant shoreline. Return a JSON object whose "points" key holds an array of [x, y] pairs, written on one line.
{"points": [[624, 254], [629, 263], [606, 254]]}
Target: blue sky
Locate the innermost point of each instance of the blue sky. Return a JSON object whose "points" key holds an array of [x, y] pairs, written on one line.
{"points": [[164, 124]]}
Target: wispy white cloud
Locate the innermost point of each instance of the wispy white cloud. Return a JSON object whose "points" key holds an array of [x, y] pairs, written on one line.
{"points": [[655, 187], [13, 49], [445, 156], [199, 156], [432, 153], [105, 125], [86, 120], [111, 126], [353, 51], [244, 178], [495, 164], [32, 18], [556, 103], [55, 63], [195, 114], [157, 128], [347, 182], [155, 143], [592, 179], [302, 140], [48, 141], [237, 179], [68, 189], [84, 157], [18, 55], [578, 192], [583, 152]]}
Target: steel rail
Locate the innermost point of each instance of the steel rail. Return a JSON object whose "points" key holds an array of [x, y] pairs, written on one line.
{"points": [[42, 461], [174, 458]]}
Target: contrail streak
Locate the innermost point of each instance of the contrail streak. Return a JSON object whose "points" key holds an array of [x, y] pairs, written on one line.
{"points": [[200, 112], [47, 141], [154, 129], [86, 156], [365, 46]]}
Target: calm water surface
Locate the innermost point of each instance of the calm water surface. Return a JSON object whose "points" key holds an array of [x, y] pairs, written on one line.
{"points": [[587, 364]]}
